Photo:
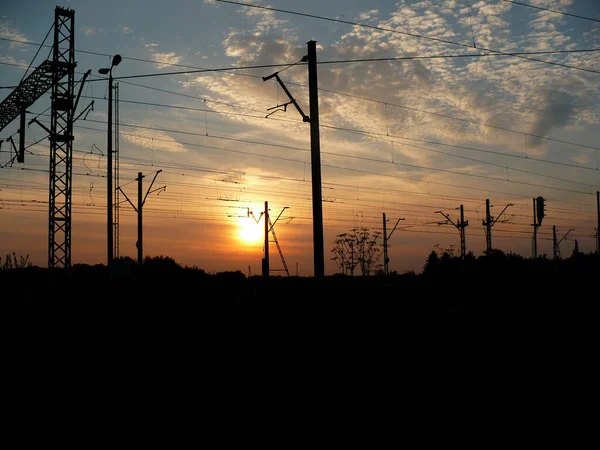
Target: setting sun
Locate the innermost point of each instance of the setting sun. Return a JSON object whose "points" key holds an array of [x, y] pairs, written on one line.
{"points": [[250, 232]]}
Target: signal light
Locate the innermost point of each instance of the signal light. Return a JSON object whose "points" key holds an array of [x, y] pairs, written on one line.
{"points": [[540, 209]]}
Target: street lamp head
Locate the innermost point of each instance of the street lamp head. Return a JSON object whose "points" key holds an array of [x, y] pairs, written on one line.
{"points": [[116, 60], [104, 71]]}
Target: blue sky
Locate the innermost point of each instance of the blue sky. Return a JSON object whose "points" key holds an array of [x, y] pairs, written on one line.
{"points": [[405, 138]]}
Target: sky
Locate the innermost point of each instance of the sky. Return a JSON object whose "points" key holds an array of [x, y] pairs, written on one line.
{"points": [[412, 126]]}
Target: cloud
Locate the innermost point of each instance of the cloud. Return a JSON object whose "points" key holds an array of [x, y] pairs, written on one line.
{"points": [[91, 31], [156, 140], [512, 93], [8, 32], [369, 15], [165, 59], [557, 106]]}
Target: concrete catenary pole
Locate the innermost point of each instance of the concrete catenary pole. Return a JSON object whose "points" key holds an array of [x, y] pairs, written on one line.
{"points": [[385, 247], [488, 228], [140, 244], [315, 159], [463, 225], [598, 225], [265, 264], [554, 243], [535, 227]]}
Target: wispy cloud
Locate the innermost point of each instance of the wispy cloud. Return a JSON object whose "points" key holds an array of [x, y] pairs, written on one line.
{"points": [[165, 59], [500, 91], [9, 32], [92, 31], [157, 140]]}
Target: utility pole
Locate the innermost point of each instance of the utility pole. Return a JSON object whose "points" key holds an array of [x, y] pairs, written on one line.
{"points": [[139, 209], [386, 260], [265, 261], [315, 158], [140, 244], [488, 223], [598, 226], [535, 227], [554, 243], [461, 225]]}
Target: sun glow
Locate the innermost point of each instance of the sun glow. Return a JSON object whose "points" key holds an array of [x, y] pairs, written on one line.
{"points": [[250, 232]]}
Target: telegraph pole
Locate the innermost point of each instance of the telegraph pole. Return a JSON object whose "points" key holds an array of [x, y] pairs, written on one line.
{"points": [[488, 228], [598, 226], [488, 223], [139, 243], [138, 210], [535, 227], [265, 262], [386, 260], [315, 158], [461, 225], [463, 244]]}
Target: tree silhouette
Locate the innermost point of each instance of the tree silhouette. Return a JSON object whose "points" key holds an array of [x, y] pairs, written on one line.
{"points": [[359, 248]]}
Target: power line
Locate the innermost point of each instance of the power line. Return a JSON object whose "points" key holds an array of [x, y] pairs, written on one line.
{"points": [[466, 55], [356, 96], [390, 30], [329, 153], [552, 11], [343, 61], [221, 171], [381, 137]]}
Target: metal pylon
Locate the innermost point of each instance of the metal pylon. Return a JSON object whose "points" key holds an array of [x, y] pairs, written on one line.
{"points": [[61, 139]]}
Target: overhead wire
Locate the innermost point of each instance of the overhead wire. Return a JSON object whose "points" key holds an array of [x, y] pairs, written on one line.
{"points": [[37, 52], [406, 33], [540, 8], [365, 98], [340, 155]]}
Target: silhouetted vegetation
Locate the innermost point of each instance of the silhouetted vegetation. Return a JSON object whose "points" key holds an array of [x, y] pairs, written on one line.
{"points": [[498, 284], [358, 248]]}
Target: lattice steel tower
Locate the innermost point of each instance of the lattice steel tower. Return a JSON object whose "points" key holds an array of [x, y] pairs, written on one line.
{"points": [[61, 139], [46, 76]]}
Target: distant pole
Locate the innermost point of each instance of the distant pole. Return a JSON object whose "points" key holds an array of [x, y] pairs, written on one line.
{"points": [[535, 227], [463, 224], [265, 265], [488, 228], [385, 247], [315, 158], [140, 246], [554, 242], [598, 226]]}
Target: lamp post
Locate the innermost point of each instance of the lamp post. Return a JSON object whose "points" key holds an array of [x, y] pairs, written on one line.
{"points": [[109, 188]]}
